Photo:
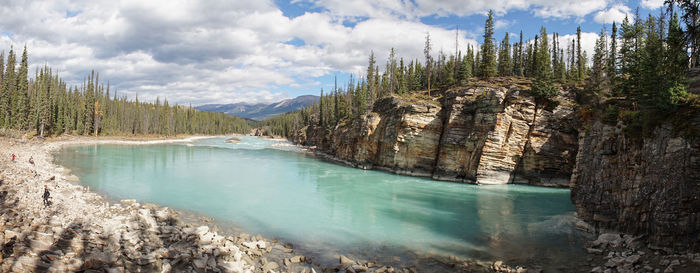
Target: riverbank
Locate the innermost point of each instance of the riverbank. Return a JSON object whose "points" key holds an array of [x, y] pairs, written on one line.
{"points": [[82, 230]]}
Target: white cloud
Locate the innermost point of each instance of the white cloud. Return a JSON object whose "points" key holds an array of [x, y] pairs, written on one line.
{"points": [[407, 9], [229, 51], [615, 13], [502, 23], [652, 4]]}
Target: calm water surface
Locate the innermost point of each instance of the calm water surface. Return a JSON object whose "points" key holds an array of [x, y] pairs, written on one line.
{"points": [[268, 187]]}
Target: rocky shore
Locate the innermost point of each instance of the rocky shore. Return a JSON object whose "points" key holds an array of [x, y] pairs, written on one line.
{"points": [[82, 231]]}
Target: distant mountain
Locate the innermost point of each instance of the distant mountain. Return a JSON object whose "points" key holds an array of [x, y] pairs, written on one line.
{"points": [[260, 111]]}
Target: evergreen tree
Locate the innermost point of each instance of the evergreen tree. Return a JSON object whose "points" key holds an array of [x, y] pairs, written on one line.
{"points": [[543, 87], [519, 66], [505, 63], [596, 81], [675, 65], [580, 60], [320, 110], [428, 60], [488, 50], [691, 17], [612, 57], [8, 88], [371, 83], [21, 93]]}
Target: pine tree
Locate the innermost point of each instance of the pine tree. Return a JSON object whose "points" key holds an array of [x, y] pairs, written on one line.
{"points": [[22, 95], [543, 87], [370, 77], [580, 60], [519, 67], [612, 57], [465, 69], [488, 50], [505, 63], [428, 60], [596, 81], [8, 87], [320, 110], [675, 65]]}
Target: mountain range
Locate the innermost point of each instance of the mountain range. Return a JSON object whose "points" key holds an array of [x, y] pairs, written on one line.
{"points": [[261, 111]]}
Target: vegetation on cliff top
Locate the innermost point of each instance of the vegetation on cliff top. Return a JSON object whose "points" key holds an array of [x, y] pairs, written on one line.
{"points": [[638, 74]]}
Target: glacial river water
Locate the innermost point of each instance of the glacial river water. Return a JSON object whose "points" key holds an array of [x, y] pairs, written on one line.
{"points": [[268, 187]]}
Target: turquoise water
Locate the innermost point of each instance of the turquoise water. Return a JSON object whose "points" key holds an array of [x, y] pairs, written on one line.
{"points": [[268, 187]]}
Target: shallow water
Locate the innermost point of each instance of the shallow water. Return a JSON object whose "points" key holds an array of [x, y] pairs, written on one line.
{"points": [[267, 187]]}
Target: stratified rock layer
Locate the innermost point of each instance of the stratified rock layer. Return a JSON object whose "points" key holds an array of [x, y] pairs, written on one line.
{"points": [[647, 185], [476, 134]]}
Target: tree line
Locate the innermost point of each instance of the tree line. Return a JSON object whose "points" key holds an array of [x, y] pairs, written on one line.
{"points": [[47, 105], [645, 62]]}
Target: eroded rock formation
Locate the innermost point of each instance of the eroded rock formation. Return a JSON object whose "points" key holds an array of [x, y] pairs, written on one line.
{"points": [[475, 134]]}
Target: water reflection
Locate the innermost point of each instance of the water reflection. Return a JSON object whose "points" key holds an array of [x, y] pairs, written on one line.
{"points": [[300, 199]]}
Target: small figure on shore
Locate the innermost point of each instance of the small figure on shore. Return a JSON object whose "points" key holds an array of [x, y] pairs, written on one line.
{"points": [[31, 160], [13, 157], [47, 194]]}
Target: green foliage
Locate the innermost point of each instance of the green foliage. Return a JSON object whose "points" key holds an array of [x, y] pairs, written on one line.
{"points": [[611, 114], [543, 87], [46, 104], [505, 63], [643, 66], [489, 65]]}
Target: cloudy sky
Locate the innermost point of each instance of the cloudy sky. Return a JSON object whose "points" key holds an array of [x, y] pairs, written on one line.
{"points": [[224, 51]]}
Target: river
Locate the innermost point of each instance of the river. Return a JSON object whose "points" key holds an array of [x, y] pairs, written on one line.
{"points": [[268, 187]]}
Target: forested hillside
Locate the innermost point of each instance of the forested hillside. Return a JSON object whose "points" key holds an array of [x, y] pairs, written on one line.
{"points": [[638, 73], [47, 105]]}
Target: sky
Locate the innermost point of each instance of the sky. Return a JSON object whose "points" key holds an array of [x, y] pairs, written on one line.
{"points": [[227, 51]]}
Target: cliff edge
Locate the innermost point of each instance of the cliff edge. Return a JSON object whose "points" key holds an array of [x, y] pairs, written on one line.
{"points": [[481, 133]]}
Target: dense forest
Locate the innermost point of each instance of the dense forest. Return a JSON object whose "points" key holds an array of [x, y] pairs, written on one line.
{"points": [[642, 65], [46, 105]]}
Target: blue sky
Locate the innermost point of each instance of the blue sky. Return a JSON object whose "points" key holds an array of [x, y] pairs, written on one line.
{"points": [[224, 51]]}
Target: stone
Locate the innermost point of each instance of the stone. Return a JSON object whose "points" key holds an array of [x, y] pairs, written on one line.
{"points": [[200, 263], [359, 268], [297, 259], [114, 270], [254, 244], [633, 259], [345, 260], [594, 250], [270, 266], [608, 239]]}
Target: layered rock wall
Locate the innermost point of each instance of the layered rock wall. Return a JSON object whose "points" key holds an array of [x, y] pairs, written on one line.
{"points": [[641, 186], [476, 134]]}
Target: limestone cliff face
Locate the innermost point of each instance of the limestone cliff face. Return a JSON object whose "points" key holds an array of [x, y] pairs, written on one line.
{"points": [[476, 134], [641, 186]]}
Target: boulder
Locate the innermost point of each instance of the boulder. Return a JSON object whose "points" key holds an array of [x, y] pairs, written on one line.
{"points": [[270, 266], [345, 260]]}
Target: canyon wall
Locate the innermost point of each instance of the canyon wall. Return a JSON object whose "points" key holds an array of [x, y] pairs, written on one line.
{"points": [[475, 134], [648, 185]]}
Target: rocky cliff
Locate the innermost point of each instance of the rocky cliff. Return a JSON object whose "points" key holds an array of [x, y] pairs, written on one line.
{"points": [[647, 185], [475, 134]]}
